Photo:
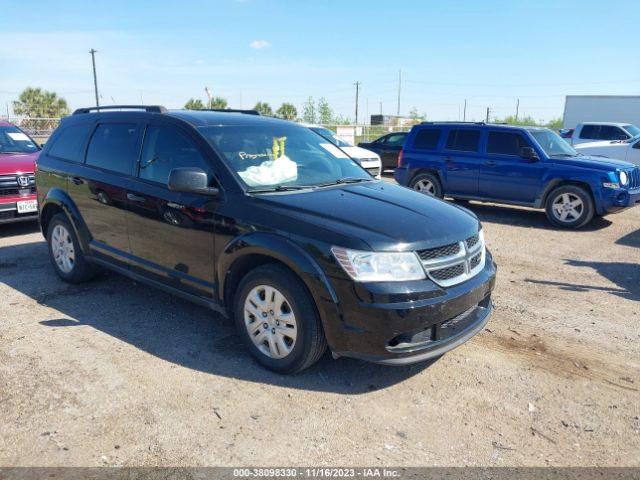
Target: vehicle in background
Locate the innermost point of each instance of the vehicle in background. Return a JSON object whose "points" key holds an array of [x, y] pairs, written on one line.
{"points": [[388, 147], [602, 108], [367, 159], [266, 222], [18, 153], [597, 131], [527, 166], [627, 150]]}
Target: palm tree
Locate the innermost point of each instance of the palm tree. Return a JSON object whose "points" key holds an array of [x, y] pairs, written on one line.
{"points": [[264, 109], [42, 109], [287, 111], [194, 104], [219, 103]]}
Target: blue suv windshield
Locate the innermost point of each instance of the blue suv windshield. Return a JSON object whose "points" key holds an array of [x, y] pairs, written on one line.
{"points": [[553, 144], [282, 156]]}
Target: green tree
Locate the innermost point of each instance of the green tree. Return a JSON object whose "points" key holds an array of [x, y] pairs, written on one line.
{"points": [[264, 109], [309, 111], [194, 104], [219, 103], [42, 109], [325, 114], [287, 111], [555, 124], [511, 120]]}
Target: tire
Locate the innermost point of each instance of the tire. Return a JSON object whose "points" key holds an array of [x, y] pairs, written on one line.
{"points": [[287, 349], [569, 206], [427, 183], [65, 253]]}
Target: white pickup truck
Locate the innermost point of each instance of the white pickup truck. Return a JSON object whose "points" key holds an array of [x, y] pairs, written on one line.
{"points": [[599, 131]]}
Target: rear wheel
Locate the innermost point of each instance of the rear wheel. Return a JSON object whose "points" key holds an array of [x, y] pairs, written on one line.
{"points": [[65, 253], [569, 206], [427, 183], [277, 318]]}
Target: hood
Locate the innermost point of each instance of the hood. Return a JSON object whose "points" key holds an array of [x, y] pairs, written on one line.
{"points": [[360, 153], [377, 216], [593, 162], [12, 163]]}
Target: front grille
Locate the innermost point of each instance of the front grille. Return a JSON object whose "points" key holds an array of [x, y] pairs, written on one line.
{"points": [[447, 273], [14, 192], [446, 251], [456, 262], [373, 171], [634, 179]]}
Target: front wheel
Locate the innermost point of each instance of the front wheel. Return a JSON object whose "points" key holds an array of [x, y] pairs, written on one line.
{"points": [[277, 318], [569, 206], [427, 183]]}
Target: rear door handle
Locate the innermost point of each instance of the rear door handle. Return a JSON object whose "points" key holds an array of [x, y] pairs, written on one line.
{"points": [[135, 198], [77, 181], [447, 159], [490, 163]]}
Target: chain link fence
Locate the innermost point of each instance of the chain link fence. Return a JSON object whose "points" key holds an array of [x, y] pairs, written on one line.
{"points": [[40, 129]]}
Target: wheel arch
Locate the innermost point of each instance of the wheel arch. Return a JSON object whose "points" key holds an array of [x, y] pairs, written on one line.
{"points": [[559, 182], [58, 201]]}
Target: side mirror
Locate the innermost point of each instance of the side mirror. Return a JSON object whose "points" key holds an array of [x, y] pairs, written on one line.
{"points": [[529, 153], [193, 180]]}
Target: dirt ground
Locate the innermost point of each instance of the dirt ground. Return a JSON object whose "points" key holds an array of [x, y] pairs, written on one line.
{"points": [[116, 373]]}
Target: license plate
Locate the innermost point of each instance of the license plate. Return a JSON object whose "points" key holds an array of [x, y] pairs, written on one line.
{"points": [[27, 206]]}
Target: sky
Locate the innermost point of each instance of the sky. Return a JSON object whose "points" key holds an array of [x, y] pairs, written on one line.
{"points": [[490, 52]]}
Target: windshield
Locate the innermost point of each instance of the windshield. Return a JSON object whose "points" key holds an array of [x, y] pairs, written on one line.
{"points": [[332, 137], [552, 143], [632, 130], [12, 140], [282, 155]]}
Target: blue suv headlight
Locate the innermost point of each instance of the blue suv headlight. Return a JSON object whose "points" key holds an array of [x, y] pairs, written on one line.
{"points": [[624, 178]]}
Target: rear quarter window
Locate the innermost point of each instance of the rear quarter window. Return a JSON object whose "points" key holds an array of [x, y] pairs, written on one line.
{"points": [[70, 143], [463, 140], [427, 139]]}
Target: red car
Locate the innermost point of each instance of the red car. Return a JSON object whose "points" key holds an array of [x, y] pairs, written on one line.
{"points": [[18, 153]]}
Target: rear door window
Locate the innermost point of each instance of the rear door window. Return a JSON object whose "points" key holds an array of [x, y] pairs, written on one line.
{"points": [[164, 149], [427, 139], [506, 143], [463, 140], [590, 131], [70, 143], [114, 146]]}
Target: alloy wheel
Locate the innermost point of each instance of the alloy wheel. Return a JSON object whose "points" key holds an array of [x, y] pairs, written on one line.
{"points": [[62, 249], [567, 207]]}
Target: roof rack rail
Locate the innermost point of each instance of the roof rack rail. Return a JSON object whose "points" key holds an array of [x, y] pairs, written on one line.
{"points": [[453, 121], [146, 108], [231, 110]]}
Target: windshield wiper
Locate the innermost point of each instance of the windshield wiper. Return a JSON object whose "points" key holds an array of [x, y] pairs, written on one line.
{"points": [[281, 188], [563, 155], [341, 181]]}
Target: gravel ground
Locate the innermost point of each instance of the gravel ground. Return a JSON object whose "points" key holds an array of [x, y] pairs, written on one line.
{"points": [[116, 373]]}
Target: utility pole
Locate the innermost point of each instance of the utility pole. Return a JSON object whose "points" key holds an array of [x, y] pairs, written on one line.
{"points": [[380, 108], [399, 89], [95, 78], [357, 84], [517, 110], [208, 92], [464, 112], [488, 111]]}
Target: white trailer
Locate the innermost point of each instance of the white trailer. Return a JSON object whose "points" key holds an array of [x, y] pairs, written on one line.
{"points": [[601, 108]]}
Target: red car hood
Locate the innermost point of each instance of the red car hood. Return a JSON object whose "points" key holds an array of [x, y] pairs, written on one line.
{"points": [[12, 163]]}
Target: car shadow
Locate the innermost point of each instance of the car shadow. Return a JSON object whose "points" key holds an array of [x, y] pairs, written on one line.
{"points": [[630, 240], [173, 329], [524, 217], [625, 277], [16, 229]]}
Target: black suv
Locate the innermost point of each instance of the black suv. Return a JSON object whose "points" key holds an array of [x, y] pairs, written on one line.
{"points": [[266, 222]]}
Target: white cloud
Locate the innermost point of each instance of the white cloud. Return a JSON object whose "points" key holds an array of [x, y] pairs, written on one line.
{"points": [[258, 44]]}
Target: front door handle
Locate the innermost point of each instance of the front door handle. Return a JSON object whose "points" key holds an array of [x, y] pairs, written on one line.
{"points": [[490, 163], [77, 181], [135, 198]]}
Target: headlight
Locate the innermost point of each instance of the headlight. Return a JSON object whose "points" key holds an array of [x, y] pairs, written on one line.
{"points": [[379, 266], [624, 178]]}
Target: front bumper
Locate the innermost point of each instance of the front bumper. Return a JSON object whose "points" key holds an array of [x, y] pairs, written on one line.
{"points": [[403, 323], [9, 210], [613, 200]]}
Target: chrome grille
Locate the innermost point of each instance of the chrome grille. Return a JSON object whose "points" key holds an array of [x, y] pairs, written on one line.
{"points": [[456, 262]]}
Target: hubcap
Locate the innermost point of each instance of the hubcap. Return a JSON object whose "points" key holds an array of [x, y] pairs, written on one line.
{"points": [[425, 186], [567, 207], [270, 321], [62, 248]]}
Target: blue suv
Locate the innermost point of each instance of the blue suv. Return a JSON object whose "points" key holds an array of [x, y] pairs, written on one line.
{"points": [[527, 166]]}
